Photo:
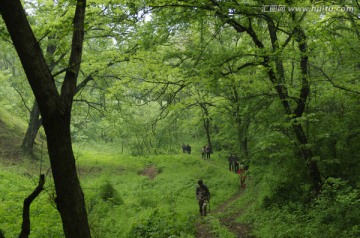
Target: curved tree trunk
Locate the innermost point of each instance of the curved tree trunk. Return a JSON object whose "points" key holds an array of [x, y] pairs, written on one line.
{"points": [[277, 78], [278, 81], [70, 198], [55, 110], [35, 121]]}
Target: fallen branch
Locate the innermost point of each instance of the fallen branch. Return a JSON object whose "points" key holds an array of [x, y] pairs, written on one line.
{"points": [[25, 227]]}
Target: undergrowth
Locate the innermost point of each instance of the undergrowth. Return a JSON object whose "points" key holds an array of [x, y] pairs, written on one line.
{"points": [[121, 201], [281, 206]]}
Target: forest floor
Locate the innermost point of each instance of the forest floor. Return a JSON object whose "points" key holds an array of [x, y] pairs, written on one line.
{"points": [[227, 217], [203, 228]]}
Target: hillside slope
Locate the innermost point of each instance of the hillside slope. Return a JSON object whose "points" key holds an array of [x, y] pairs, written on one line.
{"points": [[10, 142]]}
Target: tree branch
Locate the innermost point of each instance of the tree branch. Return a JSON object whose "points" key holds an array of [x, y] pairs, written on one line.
{"points": [[241, 67], [304, 59], [91, 105], [21, 96], [25, 227], [333, 83], [69, 86]]}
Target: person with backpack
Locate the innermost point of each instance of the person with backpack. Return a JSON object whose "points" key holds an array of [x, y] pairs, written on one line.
{"points": [[203, 197], [183, 147], [242, 174]]}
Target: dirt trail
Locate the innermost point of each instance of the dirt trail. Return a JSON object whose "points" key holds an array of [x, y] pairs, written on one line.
{"points": [[203, 229]]}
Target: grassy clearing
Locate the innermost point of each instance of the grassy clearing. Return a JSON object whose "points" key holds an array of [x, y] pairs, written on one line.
{"points": [[122, 200]]}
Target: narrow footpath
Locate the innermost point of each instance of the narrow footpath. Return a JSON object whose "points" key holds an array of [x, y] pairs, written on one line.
{"points": [[203, 229]]}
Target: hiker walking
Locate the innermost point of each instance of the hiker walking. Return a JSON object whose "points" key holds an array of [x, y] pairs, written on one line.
{"points": [[231, 162], [183, 147], [188, 149], [203, 197], [242, 174], [236, 163], [208, 151], [203, 149]]}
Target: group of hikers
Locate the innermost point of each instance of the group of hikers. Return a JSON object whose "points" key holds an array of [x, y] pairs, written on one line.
{"points": [[186, 148], [202, 191], [238, 167], [205, 152]]}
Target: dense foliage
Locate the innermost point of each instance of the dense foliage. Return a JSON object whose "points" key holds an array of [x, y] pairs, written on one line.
{"points": [[278, 88]]}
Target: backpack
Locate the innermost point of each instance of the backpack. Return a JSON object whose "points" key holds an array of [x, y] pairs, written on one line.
{"points": [[202, 193]]}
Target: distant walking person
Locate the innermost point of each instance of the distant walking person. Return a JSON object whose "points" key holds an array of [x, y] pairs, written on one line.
{"points": [[242, 174], [236, 163], [208, 152], [188, 148], [183, 147], [203, 197], [231, 162], [203, 153]]}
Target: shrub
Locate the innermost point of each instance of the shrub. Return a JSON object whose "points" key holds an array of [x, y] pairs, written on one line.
{"points": [[109, 193]]}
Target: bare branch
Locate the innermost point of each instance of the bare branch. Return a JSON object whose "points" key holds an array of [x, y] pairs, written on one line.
{"points": [[332, 82], [241, 67], [91, 105], [65, 70], [25, 227], [22, 98]]}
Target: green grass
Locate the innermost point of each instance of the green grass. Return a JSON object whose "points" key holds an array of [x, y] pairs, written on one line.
{"points": [[122, 202], [159, 207], [16, 185]]}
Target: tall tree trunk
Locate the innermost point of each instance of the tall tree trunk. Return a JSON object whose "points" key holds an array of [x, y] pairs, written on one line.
{"points": [[299, 110], [55, 110], [35, 121], [278, 81], [70, 198], [243, 140], [242, 122], [32, 130], [307, 155], [206, 123]]}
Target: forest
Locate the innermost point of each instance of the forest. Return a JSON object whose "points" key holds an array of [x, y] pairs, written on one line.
{"points": [[98, 97]]}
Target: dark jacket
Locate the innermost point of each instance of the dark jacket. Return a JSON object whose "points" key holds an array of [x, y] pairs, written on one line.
{"points": [[202, 192]]}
